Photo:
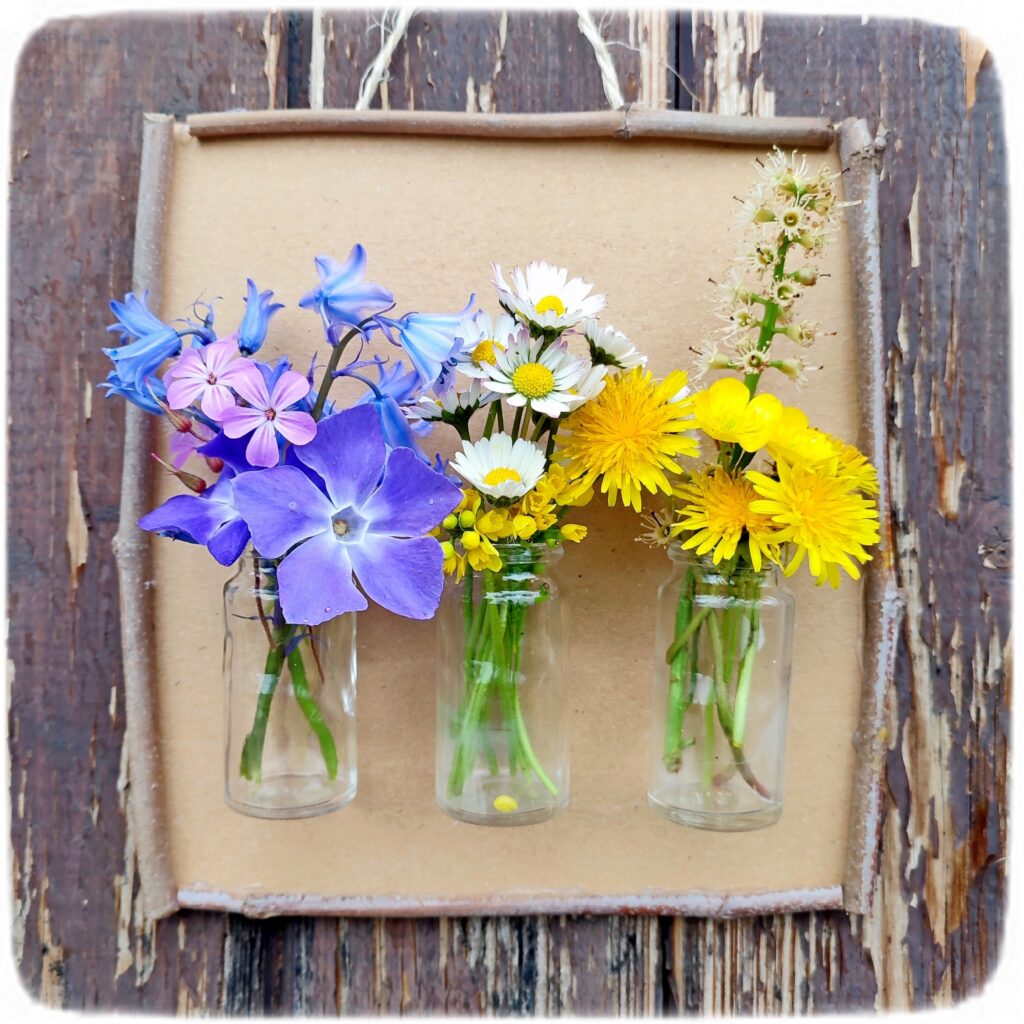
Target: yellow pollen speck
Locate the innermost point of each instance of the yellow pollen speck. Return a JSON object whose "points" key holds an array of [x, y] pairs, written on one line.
{"points": [[506, 804], [500, 475], [484, 352], [551, 304], [533, 380]]}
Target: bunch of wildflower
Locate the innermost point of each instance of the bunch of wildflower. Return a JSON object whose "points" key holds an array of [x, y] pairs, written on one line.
{"points": [[525, 373], [342, 500], [780, 491]]}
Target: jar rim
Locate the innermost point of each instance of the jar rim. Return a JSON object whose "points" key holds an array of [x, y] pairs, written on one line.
{"points": [[677, 553]]}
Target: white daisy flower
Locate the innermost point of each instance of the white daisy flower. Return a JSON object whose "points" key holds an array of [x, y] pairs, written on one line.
{"points": [[453, 405], [545, 298], [482, 339], [609, 347], [589, 387], [500, 467], [540, 378]]}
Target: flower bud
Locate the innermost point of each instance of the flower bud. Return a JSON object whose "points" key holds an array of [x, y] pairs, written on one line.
{"points": [[450, 521], [214, 463], [467, 519], [447, 549], [190, 480], [471, 540], [806, 276]]}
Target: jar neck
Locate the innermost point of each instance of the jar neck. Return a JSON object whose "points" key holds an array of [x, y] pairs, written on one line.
{"points": [[524, 555], [725, 572]]}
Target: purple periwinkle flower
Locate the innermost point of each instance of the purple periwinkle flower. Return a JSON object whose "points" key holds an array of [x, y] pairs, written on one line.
{"points": [[343, 297], [368, 521], [210, 519], [205, 374], [268, 414], [258, 310]]}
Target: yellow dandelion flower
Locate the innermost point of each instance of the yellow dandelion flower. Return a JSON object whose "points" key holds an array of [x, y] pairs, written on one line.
{"points": [[630, 435], [822, 515], [853, 465], [726, 412], [717, 514], [796, 442]]}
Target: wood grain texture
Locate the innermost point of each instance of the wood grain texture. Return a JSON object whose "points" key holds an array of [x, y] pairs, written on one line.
{"points": [[934, 935]]}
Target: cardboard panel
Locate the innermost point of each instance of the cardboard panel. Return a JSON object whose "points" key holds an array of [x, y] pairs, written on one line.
{"points": [[647, 222]]}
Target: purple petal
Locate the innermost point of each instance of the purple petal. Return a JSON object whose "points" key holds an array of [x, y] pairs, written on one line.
{"points": [[262, 447], [348, 454], [291, 386], [412, 499], [297, 427], [238, 421], [182, 393], [403, 575], [217, 400], [249, 383], [315, 582], [187, 517], [282, 507], [228, 542]]}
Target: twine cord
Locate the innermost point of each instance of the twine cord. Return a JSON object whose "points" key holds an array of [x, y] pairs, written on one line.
{"points": [[394, 24]]}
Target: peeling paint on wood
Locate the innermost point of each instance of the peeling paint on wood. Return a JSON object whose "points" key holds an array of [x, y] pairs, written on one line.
{"points": [[935, 933]]}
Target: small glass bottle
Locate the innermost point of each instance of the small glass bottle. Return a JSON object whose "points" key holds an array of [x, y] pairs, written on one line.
{"points": [[502, 751], [723, 650], [290, 703]]}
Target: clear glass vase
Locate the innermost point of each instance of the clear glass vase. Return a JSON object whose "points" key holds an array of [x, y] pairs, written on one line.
{"points": [[290, 703], [723, 649], [502, 728]]}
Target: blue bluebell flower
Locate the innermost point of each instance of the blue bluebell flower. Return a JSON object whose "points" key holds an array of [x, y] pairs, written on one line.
{"points": [[429, 339], [147, 341], [342, 297], [145, 397], [252, 331]]}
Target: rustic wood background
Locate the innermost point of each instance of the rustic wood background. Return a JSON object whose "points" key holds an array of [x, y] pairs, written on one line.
{"points": [[935, 934]]}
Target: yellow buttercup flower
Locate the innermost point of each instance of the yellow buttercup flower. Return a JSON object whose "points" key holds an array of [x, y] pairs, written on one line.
{"points": [[853, 465], [822, 515], [630, 435], [572, 531], [726, 412], [717, 514], [484, 555], [495, 524], [454, 563], [796, 442]]}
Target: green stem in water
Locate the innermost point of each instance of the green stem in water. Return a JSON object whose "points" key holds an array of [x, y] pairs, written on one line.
{"points": [[721, 693], [708, 763], [673, 748], [739, 718], [311, 711], [251, 766], [680, 641]]}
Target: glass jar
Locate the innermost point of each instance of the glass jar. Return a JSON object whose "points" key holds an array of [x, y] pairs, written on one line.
{"points": [[723, 650], [502, 752], [290, 703]]}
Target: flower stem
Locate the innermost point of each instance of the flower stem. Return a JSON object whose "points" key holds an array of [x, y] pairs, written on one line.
{"points": [[741, 705], [311, 711], [681, 640], [332, 365], [673, 748], [251, 766]]}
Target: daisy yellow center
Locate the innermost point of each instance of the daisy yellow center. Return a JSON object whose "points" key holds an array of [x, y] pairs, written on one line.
{"points": [[484, 352], [551, 304], [534, 380], [501, 475]]}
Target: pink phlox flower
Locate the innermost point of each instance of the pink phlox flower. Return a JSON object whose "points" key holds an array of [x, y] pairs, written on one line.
{"points": [[207, 374], [268, 415]]}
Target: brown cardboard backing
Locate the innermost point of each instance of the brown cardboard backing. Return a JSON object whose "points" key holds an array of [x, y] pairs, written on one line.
{"points": [[648, 222]]}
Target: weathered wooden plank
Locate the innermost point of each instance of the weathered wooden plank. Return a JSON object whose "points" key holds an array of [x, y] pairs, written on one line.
{"points": [[81, 90], [936, 929]]}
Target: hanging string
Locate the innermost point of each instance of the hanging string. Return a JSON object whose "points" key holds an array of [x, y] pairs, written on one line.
{"points": [[391, 36], [609, 76]]}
